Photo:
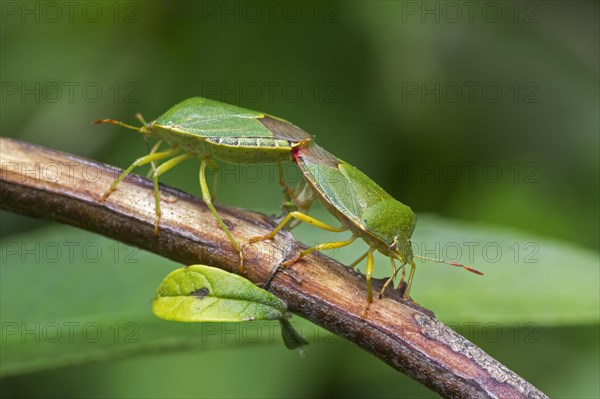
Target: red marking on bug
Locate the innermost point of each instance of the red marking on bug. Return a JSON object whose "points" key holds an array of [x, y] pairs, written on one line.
{"points": [[296, 153]]}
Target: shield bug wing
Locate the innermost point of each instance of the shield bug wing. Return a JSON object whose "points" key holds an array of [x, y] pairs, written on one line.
{"points": [[284, 130], [321, 170], [210, 119]]}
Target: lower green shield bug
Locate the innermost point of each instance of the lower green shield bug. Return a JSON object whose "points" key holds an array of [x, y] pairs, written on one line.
{"points": [[362, 207], [208, 129]]}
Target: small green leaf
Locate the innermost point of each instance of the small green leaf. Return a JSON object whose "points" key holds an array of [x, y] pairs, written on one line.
{"points": [[201, 293]]}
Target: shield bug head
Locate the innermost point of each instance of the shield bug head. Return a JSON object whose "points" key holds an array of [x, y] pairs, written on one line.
{"points": [[392, 223]]}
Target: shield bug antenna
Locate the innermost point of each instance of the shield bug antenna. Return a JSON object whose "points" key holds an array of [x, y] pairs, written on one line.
{"points": [[412, 264], [145, 129], [450, 263], [115, 122], [413, 267]]}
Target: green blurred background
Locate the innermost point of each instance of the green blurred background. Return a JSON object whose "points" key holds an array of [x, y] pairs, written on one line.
{"points": [[486, 112]]}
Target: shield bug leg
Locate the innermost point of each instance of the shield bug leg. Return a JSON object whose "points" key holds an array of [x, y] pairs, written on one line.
{"points": [[208, 201], [138, 162], [312, 221], [159, 171], [294, 202], [282, 182], [320, 247], [369, 273], [357, 261], [328, 245], [298, 216], [299, 198], [287, 205], [402, 276], [140, 118], [152, 151], [413, 268], [392, 277], [302, 196], [215, 167]]}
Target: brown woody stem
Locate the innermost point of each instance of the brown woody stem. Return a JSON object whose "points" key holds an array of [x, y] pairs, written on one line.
{"points": [[45, 183]]}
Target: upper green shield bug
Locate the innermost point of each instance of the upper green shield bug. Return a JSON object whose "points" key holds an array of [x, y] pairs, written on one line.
{"points": [[207, 129]]}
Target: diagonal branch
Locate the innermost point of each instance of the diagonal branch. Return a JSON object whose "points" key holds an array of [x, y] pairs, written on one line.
{"points": [[45, 183]]}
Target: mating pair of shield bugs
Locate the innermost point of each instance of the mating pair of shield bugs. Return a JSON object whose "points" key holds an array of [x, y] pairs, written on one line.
{"points": [[210, 130]]}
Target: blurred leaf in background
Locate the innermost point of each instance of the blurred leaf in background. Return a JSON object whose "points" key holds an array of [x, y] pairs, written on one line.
{"points": [[485, 112]]}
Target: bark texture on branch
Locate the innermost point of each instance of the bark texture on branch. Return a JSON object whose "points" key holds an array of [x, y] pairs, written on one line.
{"points": [[44, 183]]}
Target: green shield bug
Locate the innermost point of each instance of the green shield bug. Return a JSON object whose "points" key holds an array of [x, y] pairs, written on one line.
{"points": [[362, 207], [207, 129]]}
